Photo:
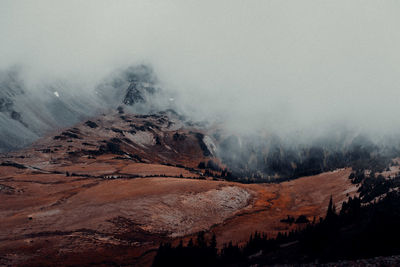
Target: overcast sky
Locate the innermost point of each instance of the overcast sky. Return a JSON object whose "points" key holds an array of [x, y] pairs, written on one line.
{"points": [[284, 65]]}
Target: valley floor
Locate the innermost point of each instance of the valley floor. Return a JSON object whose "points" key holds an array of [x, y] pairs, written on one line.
{"points": [[48, 218]]}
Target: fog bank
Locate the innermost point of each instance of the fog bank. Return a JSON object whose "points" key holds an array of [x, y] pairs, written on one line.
{"points": [[300, 68]]}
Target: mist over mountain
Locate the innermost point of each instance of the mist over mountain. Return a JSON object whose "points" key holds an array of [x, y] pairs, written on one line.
{"points": [[199, 133], [301, 68], [29, 113], [293, 73]]}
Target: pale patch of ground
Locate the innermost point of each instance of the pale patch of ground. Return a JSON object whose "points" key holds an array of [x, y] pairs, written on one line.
{"points": [[158, 205], [392, 172], [180, 215], [142, 138], [44, 213]]}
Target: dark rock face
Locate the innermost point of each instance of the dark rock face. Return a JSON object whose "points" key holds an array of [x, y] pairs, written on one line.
{"points": [[202, 145], [134, 94], [137, 92], [179, 137], [10, 86], [16, 115], [6, 104], [142, 82], [91, 124], [7, 107], [132, 86]]}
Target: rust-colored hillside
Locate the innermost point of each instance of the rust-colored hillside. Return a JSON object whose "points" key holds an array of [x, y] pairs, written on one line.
{"points": [[109, 190]]}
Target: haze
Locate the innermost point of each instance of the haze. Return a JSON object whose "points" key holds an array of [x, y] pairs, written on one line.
{"points": [[283, 66]]}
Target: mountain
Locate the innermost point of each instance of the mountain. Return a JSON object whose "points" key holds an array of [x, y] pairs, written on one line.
{"points": [[26, 113], [110, 189], [106, 176]]}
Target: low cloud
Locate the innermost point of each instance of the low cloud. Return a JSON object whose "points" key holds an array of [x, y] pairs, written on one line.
{"points": [[306, 68]]}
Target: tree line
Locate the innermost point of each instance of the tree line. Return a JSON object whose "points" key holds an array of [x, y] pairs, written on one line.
{"points": [[356, 231]]}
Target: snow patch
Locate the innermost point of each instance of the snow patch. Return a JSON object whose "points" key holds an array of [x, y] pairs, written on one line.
{"points": [[210, 144]]}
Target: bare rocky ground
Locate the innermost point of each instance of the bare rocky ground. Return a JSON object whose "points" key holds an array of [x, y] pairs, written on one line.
{"points": [[109, 191]]}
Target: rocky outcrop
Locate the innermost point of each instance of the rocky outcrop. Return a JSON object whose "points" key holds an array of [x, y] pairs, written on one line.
{"points": [[138, 92], [134, 85], [10, 87]]}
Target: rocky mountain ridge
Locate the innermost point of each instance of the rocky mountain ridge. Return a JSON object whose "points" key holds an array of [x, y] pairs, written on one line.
{"points": [[27, 114]]}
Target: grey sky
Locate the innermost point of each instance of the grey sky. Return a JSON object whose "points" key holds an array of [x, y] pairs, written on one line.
{"points": [[282, 65]]}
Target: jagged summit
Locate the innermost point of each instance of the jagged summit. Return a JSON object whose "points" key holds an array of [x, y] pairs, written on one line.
{"points": [[137, 92], [142, 85], [136, 87]]}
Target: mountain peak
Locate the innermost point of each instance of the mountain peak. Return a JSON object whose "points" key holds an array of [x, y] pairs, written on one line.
{"points": [[137, 92]]}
